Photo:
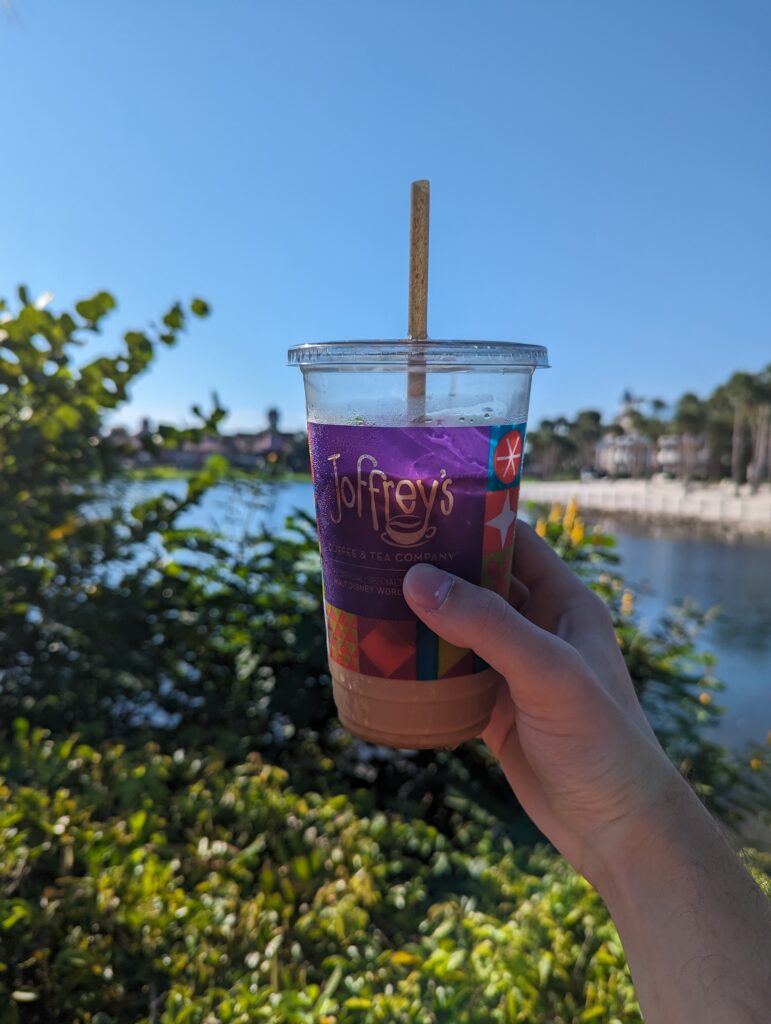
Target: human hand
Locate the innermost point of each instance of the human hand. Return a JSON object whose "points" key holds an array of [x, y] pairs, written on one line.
{"points": [[567, 727], [573, 742]]}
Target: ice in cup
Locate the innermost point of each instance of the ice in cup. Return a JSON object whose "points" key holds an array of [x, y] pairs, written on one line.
{"points": [[405, 474]]}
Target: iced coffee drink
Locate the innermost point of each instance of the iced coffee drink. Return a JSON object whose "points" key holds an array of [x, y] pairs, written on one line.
{"points": [[405, 475]]}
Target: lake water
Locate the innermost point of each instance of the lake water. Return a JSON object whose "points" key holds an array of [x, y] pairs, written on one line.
{"points": [[662, 565], [667, 565]]}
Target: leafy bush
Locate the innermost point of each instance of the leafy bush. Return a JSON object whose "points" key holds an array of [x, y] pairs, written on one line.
{"points": [[137, 879], [186, 834]]}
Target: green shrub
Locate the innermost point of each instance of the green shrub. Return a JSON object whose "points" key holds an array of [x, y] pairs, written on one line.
{"points": [[186, 834], [139, 877]]}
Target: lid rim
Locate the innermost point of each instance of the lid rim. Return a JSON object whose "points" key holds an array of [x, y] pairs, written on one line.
{"points": [[429, 352]]}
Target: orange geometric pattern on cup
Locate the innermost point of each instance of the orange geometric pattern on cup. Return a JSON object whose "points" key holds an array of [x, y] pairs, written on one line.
{"points": [[342, 634], [388, 648], [453, 661]]}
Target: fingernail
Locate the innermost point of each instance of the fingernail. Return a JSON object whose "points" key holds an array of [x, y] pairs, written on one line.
{"points": [[427, 586]]}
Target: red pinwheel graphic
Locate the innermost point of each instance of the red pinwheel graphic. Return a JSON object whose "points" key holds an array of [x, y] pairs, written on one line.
{"points": [[508, 456]]}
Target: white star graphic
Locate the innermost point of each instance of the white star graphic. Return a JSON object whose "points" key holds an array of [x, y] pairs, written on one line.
{"points": [[511, 459], [504, 519]]}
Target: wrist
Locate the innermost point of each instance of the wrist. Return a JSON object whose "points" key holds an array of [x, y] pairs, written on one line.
{"points": [[692, 921], [650, 846]]}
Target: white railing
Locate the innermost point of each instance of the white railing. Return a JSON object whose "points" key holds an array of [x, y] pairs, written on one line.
{"points": [[665, 498]]}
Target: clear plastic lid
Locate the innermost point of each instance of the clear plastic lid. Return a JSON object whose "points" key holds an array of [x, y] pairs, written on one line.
{"points": [[398, 354]]}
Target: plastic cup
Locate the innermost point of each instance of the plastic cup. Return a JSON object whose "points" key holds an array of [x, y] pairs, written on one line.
{"points": [[416, 455]]}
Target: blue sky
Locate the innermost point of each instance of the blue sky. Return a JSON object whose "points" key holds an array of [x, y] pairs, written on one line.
{"points": [[599, 172]]}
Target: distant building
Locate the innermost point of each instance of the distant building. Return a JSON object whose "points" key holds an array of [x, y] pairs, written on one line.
{"points": [[193, 454], [270, 447], [132, 445], [244, 450], [625, 455], [668, 454], [682, 455]]}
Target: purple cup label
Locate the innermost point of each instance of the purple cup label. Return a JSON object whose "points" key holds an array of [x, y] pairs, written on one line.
{"points": [[388, 498]]}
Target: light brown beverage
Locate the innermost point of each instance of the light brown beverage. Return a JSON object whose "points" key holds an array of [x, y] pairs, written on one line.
{"points": [[400, 480]]}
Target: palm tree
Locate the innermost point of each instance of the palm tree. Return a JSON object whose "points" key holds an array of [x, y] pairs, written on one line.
{"points": [[690, 420], [760, 428], [656, 425], [739, 395], [629, 400], [552, 446], [542, 448], [587, 431]]}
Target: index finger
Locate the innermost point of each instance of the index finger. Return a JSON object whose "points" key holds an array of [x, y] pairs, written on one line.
{"points": [[561, 603], [541, 570]]}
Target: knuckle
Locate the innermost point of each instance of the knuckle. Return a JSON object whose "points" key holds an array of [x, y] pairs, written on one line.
{"points": [[599, 608], [493, 618]]}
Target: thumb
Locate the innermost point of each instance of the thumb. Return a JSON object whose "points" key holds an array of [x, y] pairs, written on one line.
{"points": [[537, 665]]}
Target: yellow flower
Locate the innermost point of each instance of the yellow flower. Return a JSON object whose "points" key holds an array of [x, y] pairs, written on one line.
{"points": [[756, 764], [705, 698], [540, 527], [627, 603], [60, 532], [403, 958], [556, 513], [570, 514], [577, 533]]}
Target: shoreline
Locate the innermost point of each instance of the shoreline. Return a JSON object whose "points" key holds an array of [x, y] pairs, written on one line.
{"points": [[709, 508], [156, 473]]}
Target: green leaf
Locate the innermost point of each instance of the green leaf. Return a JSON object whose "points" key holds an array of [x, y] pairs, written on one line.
{"points": [[302, 868], [545, 964], [329, 989], [139, 346], [199, 307], [511, 1003], [68, 416], [175, 318], [95, 308], [21, 728], [19, 912], [593, 1013], [137, 822]]}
